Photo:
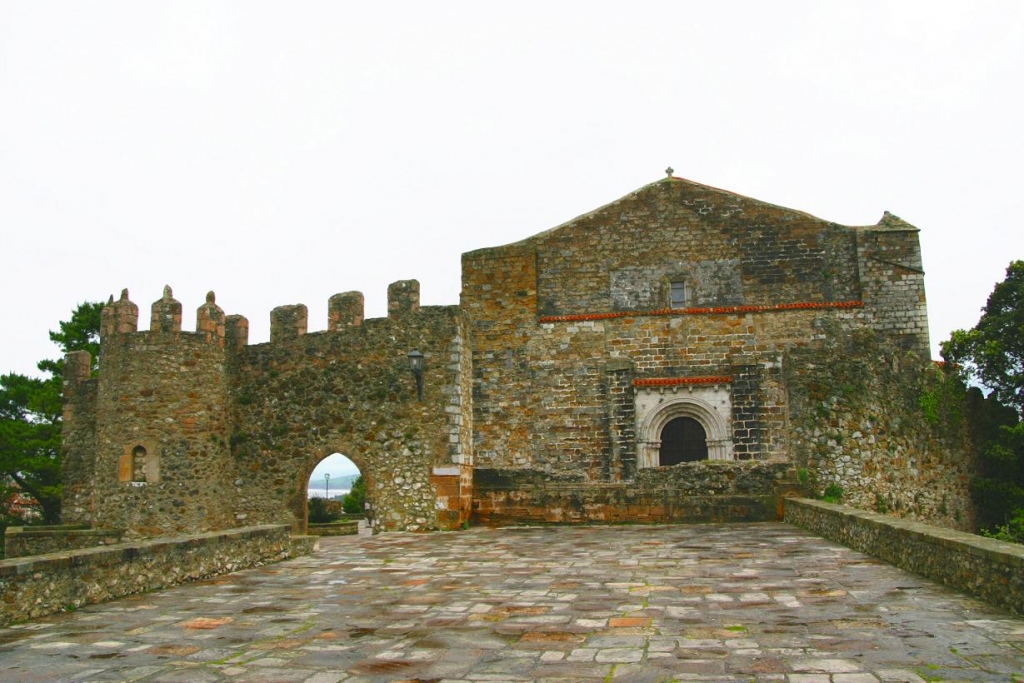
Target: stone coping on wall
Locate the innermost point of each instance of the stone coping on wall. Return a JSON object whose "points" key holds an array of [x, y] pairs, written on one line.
{"points": [[716, 310], [20, 541], [988, 569], [38, 585]]}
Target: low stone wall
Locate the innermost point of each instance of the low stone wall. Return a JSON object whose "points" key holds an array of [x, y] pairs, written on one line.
{"points": [[983, 567], [342, 528], [32, 587], [20, 541], [706, 491]]}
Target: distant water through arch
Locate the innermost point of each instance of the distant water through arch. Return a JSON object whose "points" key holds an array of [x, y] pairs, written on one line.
{"points": [[332, 477]]}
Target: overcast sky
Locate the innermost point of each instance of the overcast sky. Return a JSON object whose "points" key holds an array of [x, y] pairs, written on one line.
{"points": [[279, 153]]}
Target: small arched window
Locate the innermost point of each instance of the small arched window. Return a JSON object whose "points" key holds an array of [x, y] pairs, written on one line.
{"points": [[683, 439]]}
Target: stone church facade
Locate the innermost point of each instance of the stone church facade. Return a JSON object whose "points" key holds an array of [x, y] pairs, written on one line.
{"points": [[681, 354]]}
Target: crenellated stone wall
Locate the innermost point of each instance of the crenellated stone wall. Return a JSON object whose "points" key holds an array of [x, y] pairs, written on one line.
{"points": [[186, 432], [349, 391]]}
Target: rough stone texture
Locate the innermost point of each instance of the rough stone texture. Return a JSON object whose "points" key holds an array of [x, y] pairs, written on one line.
{"points": [[164, 393], [707, 491], [44, 584], [184, 432], [349, 391], [858, 421], [986, 568], [562, 363], [78, 436], [21, 541], [344, 310], [568, 325], [342, 528], [889, 258]]}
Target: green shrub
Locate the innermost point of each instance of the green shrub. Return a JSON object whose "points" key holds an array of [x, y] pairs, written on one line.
{"points": [[1012, 531], [833, 493], [322, 511]]}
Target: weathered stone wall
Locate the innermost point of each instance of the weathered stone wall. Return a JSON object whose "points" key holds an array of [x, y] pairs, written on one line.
{"points": [[145, 444], [20, 541], [885, 426], [32, 587], [499, 296], [162, 459], [350, 391], [728, 248], [200, 431], [892, 277], [78, 439], [569, 326], [705, 491], [983, 567], [559, 400]]}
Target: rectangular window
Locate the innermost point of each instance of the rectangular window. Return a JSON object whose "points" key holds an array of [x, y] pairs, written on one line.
{"points": [[677, 295]]}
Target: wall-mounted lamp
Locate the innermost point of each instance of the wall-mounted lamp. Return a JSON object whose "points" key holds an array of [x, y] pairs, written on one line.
{"points": [[416, 366]]}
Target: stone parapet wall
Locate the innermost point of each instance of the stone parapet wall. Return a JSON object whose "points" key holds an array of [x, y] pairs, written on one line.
{"points": [[342, 528], [186, 432], [32, 587], [983, 567], [20, 541], [692, 492]]}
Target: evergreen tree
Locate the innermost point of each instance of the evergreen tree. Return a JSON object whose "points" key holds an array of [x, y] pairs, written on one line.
{"points": [[356, 497], [30, 416]]}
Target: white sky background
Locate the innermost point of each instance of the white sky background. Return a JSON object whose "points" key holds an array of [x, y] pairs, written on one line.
{"points": [[279, 153]]}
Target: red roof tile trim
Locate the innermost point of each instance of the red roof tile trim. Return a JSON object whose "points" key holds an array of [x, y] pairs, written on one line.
{"points": [[718, 310], [672, 381]]}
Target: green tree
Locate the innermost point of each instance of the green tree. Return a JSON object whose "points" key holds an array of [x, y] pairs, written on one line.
{"points": [[992, 354], [30, 416], [354, 499]]}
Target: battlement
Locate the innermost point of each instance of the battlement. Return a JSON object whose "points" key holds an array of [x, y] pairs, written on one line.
{"points": [[344, 311], [122, 317]]}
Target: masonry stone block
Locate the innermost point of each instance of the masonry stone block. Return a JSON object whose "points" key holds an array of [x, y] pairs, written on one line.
{"points": [[344, 310]]}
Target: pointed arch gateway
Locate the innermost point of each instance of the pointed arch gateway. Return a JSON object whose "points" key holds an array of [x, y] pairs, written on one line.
{"points": [[300, 508]]}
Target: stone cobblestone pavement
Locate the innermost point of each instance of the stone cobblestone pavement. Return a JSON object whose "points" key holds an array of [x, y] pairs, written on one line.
{"points": [[761, 602]]}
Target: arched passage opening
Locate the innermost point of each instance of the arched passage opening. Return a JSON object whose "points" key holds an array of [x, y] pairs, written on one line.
{"points": [[335, 491], [683, 439]]}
